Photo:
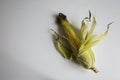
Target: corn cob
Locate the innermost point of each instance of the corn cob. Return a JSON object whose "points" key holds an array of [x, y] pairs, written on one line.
{"points": [[80, 45]]}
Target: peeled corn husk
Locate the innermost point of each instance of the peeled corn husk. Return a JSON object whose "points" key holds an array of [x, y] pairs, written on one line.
{"points": [[79, 45]]}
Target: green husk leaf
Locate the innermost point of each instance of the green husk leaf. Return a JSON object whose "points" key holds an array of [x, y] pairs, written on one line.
{"points": [[83, 31], [95, 39], [91, 29], [86, 58], [66, 52]]}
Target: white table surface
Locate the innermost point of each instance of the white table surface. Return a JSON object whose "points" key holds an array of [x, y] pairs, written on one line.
{"points": [[27, 51]]}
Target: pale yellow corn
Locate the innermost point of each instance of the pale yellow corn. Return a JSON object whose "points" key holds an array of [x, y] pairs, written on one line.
{"points": [[80, 45]]}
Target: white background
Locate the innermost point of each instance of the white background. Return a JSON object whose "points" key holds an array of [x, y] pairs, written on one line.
{"points": [[27, 51]]}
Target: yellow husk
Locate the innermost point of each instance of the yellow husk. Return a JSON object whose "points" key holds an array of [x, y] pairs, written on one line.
{"points": [[80, 45]]}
